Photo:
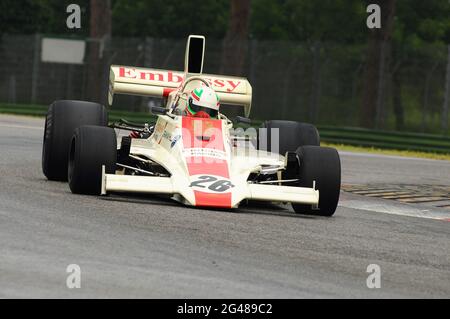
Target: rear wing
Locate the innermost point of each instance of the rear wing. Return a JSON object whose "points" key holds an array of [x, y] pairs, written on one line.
{"points": [[159, 83]]}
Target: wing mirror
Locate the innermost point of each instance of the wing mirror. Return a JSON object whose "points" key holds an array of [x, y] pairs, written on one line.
{"points": [[245, 120], [158, 110]]}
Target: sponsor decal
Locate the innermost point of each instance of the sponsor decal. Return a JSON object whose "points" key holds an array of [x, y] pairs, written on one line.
{"points": [[204, 152], [150, 75], [167, 136], [159, 130], [175, 140], [159, 127], [220, 84]]}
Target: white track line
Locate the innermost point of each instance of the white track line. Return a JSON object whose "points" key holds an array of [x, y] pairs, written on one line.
{"points": [[394, 208], [22, 127]]}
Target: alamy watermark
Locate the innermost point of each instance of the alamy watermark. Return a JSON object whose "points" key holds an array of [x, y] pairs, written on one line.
{"points": [[374, 19], [74, 19], [73, 280], [374, 279]]}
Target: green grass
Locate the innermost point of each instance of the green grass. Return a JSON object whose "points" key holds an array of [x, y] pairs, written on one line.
{"points": [[23, 109], [41, 110]]}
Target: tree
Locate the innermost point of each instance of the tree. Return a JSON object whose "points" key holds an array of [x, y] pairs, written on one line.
{"points": [[235, 44], [376, 64], [420, 28], [100, 33]]}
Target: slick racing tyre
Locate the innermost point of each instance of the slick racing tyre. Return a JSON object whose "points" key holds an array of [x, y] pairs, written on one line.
{"points": [[322, 165], [292, 135], [91, 147], [63, 117]]}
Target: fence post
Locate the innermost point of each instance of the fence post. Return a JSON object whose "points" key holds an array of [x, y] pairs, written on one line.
{"points": [[12, 93], [285, 105], [426, 96], [444, 119], [35, 71], [381, 82], [69, 85], [315, 83]]}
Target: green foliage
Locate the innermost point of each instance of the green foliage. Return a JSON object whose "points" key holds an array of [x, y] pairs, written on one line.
{"points": [[342, 21], [420, 21], [170, 18], [304, 20], [18, 16], [40, 16]]}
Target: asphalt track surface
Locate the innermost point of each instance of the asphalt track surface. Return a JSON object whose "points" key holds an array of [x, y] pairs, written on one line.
{"points": [[155, 248]]}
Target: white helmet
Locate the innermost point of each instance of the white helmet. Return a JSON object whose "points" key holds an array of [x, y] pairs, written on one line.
{"points": [[203, 102]]}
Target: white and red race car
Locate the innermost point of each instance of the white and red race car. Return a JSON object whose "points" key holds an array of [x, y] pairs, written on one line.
{"points": [[201, 162]]}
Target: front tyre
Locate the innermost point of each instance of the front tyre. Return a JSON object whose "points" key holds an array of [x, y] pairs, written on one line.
{"points": [[322, 165], [90, 148]]}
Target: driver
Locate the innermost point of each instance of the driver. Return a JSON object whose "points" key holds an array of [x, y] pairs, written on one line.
{"points": [[203, 102]]}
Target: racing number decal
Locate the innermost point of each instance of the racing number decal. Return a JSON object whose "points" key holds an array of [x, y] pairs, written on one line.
{"points": [[203, 180], [212, 183]]}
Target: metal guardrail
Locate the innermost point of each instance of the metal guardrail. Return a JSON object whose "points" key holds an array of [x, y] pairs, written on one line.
{"points": [[386, 139]]}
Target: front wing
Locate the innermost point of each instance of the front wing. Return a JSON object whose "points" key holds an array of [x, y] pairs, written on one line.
{"points": [[244, 191]]}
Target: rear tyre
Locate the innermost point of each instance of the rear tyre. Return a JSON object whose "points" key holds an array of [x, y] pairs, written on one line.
{"points": [[322, 165], [63, 117], [292, 135], [91, 147]]}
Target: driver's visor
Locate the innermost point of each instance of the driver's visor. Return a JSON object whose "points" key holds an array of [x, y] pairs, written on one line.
{"points": [[194, 109]]}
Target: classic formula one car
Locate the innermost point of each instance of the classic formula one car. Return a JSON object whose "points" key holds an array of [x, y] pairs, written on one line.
{"points": [[202, 162]]}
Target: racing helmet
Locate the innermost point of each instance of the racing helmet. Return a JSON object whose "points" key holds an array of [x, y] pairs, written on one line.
{"points": [[203, 102]]}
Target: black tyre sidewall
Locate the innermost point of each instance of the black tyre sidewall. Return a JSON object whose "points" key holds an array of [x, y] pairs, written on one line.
{"points": [[91, 147], [322, 165], [292, 135]]}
